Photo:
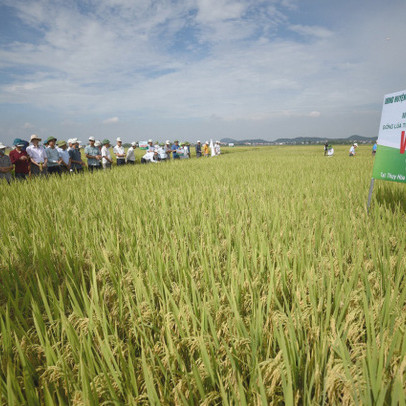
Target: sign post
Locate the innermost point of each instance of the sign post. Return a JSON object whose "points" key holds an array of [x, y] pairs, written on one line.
{"points": [[390, 158]]}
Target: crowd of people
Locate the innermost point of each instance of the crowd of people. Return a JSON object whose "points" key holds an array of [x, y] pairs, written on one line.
{"points": [[31, 159]]}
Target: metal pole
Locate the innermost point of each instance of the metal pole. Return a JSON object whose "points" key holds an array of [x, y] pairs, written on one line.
{"points": [[371, 188]]}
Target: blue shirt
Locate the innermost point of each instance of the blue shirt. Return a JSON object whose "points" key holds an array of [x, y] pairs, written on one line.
{"points": [[92, 151], [174, 148]]}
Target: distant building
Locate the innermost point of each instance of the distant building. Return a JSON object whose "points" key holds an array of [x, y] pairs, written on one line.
{"points": [[231, 144]]}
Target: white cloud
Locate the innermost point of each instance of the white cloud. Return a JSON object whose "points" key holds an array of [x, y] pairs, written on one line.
{"points": [[112, 120]]}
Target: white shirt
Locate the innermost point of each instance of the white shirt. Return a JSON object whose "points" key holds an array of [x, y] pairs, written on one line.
{"points": [[105, 153], [64, 155], [37, 154], [131, 154], [149, 156], [183, 153], [352, 150], [119, 151], [162, 154]]}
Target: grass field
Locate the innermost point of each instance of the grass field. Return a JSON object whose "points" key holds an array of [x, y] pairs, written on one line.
{"points": [[256, 277]]}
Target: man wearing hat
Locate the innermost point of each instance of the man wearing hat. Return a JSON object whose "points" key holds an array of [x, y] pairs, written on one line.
{"points": [[106, 157], [93, 155], [352, 149], [130, 158], [151, 147], [198, 148], [174, 148], [19, 158], [119, 152], [75, 157], [38, 157], [206, 149], [5, 165], [54, 158], [65, 157], [168, 149]]}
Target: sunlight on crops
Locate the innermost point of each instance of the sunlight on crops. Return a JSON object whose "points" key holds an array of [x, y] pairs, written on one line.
{"points": [[256, 277]]}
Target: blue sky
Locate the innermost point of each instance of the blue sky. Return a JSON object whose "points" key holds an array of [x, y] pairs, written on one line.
{"points": [[198, 69]]}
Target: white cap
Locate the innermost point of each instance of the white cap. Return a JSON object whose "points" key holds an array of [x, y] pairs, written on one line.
{"points": [[70, 141], [35, 137], [73, 141], [207, 142], [198, 141], [97, 143], [133, 144], [119, 139], [92, 139], [150, 140], [355, 144], [167, 142], [76, 141], [2, 146]]}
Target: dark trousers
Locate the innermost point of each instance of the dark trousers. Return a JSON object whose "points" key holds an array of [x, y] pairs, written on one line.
{"points": [[120, 161], [131, 162], [94, 167], [52, 170], [21, 176], [35, 171], [78, 170]]}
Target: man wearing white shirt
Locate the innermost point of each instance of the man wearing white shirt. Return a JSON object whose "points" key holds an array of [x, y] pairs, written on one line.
{"points": [[119, 152], [130, 158], [37, 156], [64, 154], [106, 157]]}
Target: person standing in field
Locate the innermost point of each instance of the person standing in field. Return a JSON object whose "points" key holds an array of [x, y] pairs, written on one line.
{"points": [[38, 157], [374, 148], [325, 148], [174, 148], [76, 158], [163, 156], [65, 157], [217, 148], [106, 157], [54, 158], [151, 147], [119, 152], [5, 165], [352, 149], [206, 149], [130, 158], [168, 149], [198, 148], [19, 158], [93, 155]]}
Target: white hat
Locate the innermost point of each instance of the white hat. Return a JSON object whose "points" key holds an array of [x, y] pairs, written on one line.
{"points": [[355, 144], [167, 142], [2, 146], [92, 139], [198, 141], [133, 144], [73, 140], [97, 143], [207, 142], [150, 140], [35, 137], [70, 141], [119, 139]]}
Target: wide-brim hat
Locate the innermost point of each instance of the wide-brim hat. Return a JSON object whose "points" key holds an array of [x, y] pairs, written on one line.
{"points": [[2, 146], [35, 137], [50, 139], [105, 141], [61, 143], [119, 139], [133, 144], [167, 142]]}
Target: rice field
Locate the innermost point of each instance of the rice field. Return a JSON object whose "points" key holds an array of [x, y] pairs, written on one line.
{"points": [[256, 277]]}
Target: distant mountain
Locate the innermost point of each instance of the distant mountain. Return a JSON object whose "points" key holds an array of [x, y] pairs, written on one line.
{"points": [[301, 140]]}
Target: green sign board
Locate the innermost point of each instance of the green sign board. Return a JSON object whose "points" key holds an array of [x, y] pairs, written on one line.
{"points": [[390, 159]]}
